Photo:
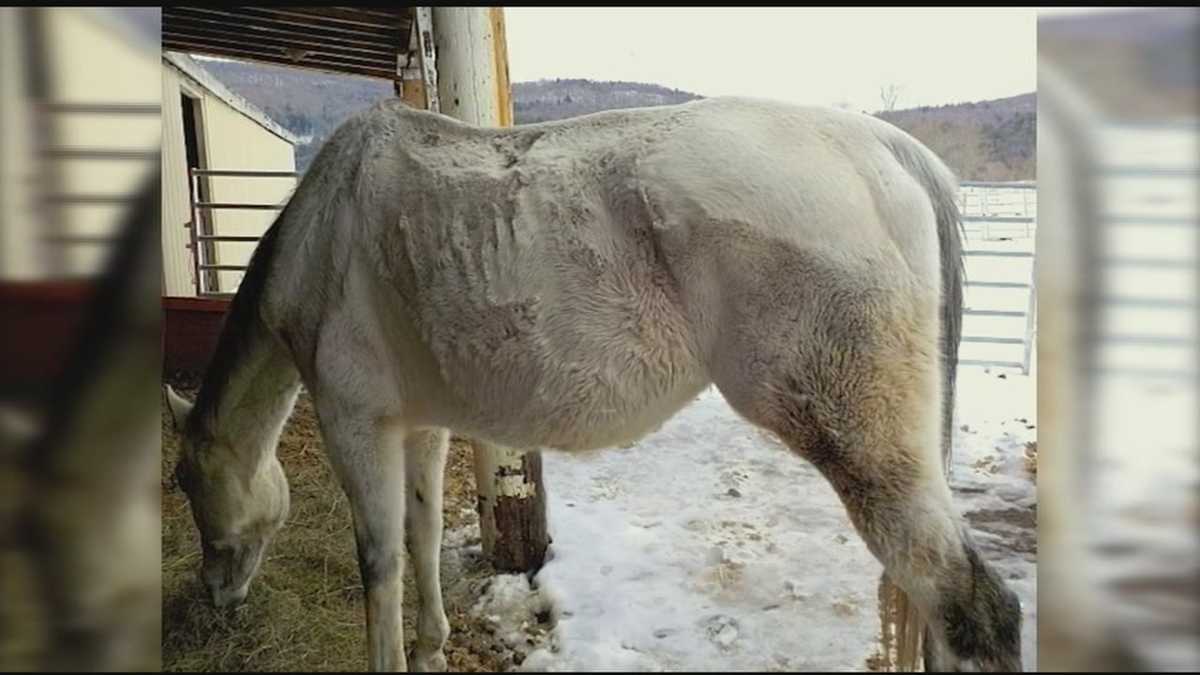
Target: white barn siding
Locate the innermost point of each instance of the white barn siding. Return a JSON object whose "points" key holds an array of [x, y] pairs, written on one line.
{"points": [[176, 259], [234, 141], [230, 139], [18, 253], [83, 62], [88, 63]]}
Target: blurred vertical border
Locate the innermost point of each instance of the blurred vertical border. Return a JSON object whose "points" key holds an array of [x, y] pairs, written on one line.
{"points": [[1119, 476], [80, 353]]}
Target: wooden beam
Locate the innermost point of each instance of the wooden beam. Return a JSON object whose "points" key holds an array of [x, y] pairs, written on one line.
{"points": [[191, 328], [423, 23], [410, 83], [472, 83], [416, 82], [504, 102]]}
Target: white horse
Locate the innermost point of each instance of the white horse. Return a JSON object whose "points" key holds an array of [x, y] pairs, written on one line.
{"points": [[573, 284]]}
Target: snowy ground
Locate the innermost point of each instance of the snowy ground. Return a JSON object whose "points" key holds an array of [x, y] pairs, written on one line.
{"points": [[708, 546]]}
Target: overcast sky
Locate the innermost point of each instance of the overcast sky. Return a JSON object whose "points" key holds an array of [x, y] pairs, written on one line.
{"points": [[803, 55]]}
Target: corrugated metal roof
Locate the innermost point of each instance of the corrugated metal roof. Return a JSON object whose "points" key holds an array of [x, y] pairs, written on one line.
{"points": [[366, 41]]}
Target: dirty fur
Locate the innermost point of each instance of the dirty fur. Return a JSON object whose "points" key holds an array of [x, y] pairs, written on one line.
{"points": [[573, 284]]}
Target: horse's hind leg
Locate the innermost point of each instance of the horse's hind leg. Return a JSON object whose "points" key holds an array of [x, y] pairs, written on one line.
{"points": [[863, 405], [367, 455], [425, 457]]}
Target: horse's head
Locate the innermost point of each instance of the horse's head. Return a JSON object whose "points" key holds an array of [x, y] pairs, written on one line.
{"points": [[236, 508]]}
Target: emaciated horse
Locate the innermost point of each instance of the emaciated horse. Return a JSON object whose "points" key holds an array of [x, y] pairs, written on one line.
{"points": [[573, 284]]}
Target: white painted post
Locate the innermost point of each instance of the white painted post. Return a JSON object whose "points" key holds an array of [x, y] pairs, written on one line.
{"points": [[984, 197], [1025, 209], [467, 53], [473, 86], [1030, 316]]}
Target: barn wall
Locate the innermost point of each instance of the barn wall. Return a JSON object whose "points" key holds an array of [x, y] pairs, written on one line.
{"points": [[17, 252], [89, 64], [176, 259], [234, 141], [231, 140]]}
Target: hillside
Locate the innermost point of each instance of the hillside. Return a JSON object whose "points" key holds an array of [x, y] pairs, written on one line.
{"points": [[308, 103], [986, 140], [547, 100]]}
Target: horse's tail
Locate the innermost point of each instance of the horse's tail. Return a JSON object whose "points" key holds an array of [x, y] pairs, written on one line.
{"points": [[942, 187]]}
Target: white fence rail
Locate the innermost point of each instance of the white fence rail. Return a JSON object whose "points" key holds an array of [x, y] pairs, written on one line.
{"points": [[999, 220], [203, 232], [1000, 318]]}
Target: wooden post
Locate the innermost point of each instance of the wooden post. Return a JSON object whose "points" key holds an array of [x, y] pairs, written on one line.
{"points": [[417, 84], [504, 103], [472, 86], [512, 507]]}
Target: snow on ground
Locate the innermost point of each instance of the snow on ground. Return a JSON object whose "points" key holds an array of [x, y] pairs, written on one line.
{"points": [[707, 545]]}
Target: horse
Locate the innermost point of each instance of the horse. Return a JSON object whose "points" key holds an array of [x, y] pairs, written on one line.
{"points": [[570, 285]]}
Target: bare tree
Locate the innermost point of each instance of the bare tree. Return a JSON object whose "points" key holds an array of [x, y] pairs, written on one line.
{"points": [[889, 95]]}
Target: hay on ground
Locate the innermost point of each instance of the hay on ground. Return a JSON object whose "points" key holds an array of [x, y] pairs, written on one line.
{"points": [[305, 608]]}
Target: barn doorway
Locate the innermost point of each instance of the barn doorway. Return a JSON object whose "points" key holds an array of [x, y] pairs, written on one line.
{"points": [[193, 138]]}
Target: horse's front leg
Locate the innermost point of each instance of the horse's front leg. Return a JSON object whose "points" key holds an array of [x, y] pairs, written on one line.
{"points": [[425, 457], [367, 455]]}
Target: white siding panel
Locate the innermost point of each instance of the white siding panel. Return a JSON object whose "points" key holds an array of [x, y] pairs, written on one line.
{"points": [[177, 261], [231, 140]]}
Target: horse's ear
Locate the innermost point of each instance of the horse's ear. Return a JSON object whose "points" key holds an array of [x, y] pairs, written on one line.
{"points": [[180, 407]]}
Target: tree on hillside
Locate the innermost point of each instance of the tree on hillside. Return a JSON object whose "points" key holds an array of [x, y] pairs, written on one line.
{"points": [[889, 94]]}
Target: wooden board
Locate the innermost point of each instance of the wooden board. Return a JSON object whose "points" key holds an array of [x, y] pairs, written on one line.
{"points": [[191, 327]]}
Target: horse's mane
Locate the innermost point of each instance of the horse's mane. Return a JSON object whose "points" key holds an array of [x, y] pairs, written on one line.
{"points": [[237, 333]]}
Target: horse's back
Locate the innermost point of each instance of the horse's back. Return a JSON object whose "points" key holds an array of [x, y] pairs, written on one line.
{"points": [[809, 178], [517, 270], [559, 284]]}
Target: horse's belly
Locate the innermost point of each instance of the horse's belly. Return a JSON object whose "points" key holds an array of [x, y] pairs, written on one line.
{"points": [[599, 424], [577, 413], [605, 426]]}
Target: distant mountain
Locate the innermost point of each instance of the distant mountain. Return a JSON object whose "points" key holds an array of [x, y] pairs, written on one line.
{"points": [[308, 103], [547, 100], [988, 140], [985, 140]]}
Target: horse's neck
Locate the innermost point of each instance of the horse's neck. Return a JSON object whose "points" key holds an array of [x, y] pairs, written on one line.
{"points": [[254, 400]]}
